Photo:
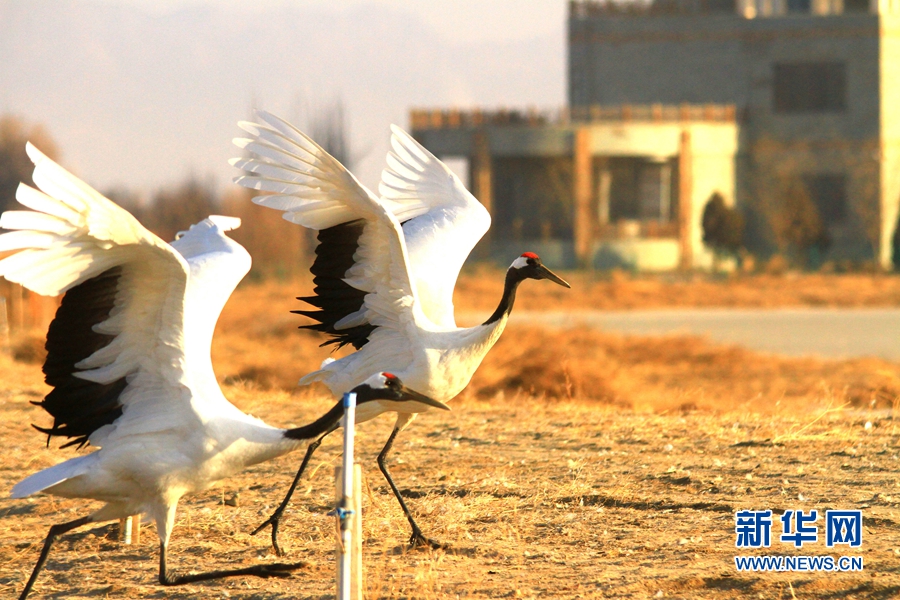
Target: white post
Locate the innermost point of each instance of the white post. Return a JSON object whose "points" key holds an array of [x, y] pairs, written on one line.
{"points": [[354, 553], [125, 530], [130, 529], [345, 554]]}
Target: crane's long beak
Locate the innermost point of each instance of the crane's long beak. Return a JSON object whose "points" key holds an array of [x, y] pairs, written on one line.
{"points": [[408, 394], [546, 273]]}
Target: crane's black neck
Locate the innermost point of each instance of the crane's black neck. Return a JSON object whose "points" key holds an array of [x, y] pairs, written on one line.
{"points": [[321, 425], [513, 279]]}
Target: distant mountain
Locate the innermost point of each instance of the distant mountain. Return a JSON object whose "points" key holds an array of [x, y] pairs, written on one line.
{"points": [[141, 99]]}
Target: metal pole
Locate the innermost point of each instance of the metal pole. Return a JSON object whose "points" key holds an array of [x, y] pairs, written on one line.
{"points": [[344, 509]]}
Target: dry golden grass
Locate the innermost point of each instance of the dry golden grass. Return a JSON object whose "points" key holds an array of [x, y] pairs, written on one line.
{"points": [[258, 341], [586, 465], [479, 290], [538, 498]]}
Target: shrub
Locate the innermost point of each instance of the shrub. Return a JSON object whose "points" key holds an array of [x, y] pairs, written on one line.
{"points": [[797, 224], [723, 226]]}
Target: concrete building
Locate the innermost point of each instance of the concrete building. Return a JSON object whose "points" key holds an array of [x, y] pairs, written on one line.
{"points": [[673, 101]]}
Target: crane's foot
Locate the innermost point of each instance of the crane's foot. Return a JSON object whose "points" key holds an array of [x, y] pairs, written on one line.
{"points": [[274, 521], [418, 540]]}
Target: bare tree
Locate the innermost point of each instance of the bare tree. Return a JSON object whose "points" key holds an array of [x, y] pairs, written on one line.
{"points": [[865, 209], [796, 223], [326, 123], [174, 209], [329, 128], [132, 201], [279, 249], [21, 308], [15, 167]]}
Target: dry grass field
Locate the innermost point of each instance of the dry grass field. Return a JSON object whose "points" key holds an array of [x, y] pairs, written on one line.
{"points": [[479, 289], [576, 465]]}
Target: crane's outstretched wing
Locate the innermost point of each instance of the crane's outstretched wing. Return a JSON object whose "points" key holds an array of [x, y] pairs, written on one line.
{"points": [[115, 350], [439, 239], [362, 284]]}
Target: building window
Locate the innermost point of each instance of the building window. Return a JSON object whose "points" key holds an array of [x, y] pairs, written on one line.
{"points": [[856, 6], [532, 198], [639, 189], [810, 87], [829, 193], [655, 191], [799, 6]]}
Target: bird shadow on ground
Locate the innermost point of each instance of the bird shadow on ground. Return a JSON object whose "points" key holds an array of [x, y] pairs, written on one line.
{"points": [[404, 550], [23, 509], [728, 583], [864, 589]]}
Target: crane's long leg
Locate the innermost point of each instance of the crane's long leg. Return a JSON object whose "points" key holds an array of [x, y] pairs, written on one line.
{"points": [[275, 519], [55, 530], [269, 570], [417, 538]]}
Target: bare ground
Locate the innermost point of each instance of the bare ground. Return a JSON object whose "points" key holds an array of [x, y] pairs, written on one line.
{"points": [[565, 498], [576, 464]]}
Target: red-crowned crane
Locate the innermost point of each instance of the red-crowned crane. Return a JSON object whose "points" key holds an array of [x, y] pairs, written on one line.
{"points": [[128, 357], [384, 271]]}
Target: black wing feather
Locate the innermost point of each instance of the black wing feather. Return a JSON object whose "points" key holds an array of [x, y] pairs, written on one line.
{"points": [[333, 297], [80, 407]]}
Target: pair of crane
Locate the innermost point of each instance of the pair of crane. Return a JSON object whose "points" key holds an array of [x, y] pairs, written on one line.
{"points": [[128, 353]]}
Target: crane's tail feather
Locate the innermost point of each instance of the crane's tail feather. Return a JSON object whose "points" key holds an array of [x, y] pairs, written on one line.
{"points": [[52, 476], [322, 374], [313, 377]]}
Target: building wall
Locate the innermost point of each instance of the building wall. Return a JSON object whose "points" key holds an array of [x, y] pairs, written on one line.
{"points": [[889, 152], [643, 255], [726, 60], [713, 166], [503, 141], [850, 39], [729, 59], [618, 60], [713, 147], [533, 184], [533, 198]]}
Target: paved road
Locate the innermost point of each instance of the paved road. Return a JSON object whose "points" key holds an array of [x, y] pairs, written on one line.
{"points": [[796, 331]]}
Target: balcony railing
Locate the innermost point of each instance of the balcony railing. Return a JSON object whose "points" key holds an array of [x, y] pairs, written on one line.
{"points": [[625, 229], [454, 118]]}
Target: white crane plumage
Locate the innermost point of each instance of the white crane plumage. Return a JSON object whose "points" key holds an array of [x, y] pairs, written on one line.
{"points": [[385, 267], [129, 359]]}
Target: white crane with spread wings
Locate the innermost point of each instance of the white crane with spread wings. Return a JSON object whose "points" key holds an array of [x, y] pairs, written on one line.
{"points": [[385, 268], [128, 358]]}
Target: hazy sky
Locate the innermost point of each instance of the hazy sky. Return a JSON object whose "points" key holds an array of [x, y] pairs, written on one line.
{"points": [[142, 93], [461, 20]]}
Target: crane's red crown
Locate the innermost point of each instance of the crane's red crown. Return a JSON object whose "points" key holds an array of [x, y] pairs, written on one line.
{"points": [[530, 255], [390, 376]]}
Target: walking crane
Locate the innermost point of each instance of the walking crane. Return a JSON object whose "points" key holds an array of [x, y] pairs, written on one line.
{"points": [[128, 358], [384, 272]]}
